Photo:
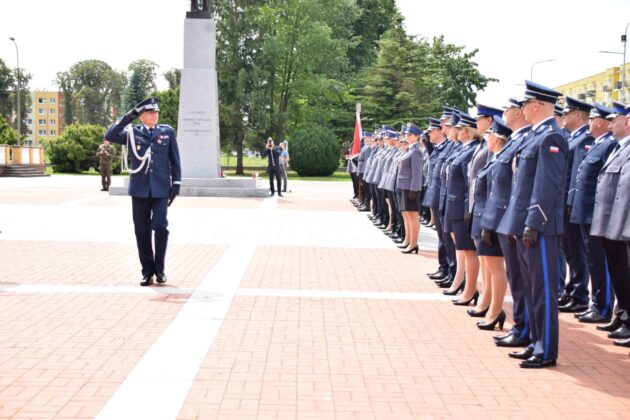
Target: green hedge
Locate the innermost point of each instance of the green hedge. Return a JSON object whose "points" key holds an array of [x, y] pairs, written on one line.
{"points": [[314, 151]]}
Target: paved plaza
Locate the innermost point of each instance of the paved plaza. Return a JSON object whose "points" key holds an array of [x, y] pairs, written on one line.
{"points": [[277, 308]]}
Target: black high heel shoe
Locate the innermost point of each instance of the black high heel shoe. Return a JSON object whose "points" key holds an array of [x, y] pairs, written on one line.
{"points": [[411, 251], [477, 314], [489, 327], [456, 291], [403, 246], [474, 299]]}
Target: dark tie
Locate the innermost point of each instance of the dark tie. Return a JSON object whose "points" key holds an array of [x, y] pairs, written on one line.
{"points": [[150, 132]]}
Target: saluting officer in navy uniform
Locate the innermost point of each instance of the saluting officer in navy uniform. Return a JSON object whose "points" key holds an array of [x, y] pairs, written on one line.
{"points": [[603, 224], [154, 181], [535, 216], [499, 192], [440, 150], [582, 201], [575, 296]]}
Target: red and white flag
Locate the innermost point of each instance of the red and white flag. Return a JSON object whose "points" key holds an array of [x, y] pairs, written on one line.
{"points": [[358, 133]]}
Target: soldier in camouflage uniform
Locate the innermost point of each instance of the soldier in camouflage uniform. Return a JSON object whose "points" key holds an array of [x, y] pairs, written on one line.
{"points": [[106, 154]]}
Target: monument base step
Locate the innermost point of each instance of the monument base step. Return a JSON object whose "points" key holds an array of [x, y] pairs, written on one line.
{"points": [[211, 187]]}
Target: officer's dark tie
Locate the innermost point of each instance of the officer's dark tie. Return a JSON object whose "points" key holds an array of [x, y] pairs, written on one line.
{"points": [[150, 132]]}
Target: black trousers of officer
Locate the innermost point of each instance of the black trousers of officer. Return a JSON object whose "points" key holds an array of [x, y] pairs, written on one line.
{"points": [[355, 184], [400, 227], [540, 272], [360, 194], [274, 171], [367, 193], [149, 214], [515, 280], [395, 213], [449, 245], [601, 286], [577, 287], [617, 257], [441, 248], [374, 196]]}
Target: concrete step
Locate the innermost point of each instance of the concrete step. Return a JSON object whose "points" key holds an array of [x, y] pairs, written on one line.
{"points": [[22, 171], [206, 192], [215, 182]]}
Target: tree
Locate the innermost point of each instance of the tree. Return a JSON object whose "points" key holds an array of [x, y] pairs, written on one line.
{"points": [[92, 92], [8, 134], [169, 106], [75, 150], [173, 77], [314, 151], [6, 82], [141, 82]]}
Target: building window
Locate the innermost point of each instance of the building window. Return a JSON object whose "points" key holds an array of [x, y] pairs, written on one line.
{"points": [[41, 111], [29, 121], [53, 122], [53, 100], [41, 100], [42, 132], [41, 122], [53, 133], [52, 111]]}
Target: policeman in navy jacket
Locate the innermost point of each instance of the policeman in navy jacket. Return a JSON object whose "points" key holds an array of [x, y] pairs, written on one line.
{"points": [[499, 192], [535, 216], [154, 181], [575, 117], [582, 201]]}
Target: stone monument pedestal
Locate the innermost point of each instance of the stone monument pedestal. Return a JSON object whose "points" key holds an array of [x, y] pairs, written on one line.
{"points": [[210, 187]]}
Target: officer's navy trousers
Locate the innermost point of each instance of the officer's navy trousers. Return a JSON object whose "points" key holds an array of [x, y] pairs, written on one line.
{"points": [[601, 286], [617, 257], [540, 273], [515, 280], [441, 248], [149, 214], [449, 245], [577, 287]]}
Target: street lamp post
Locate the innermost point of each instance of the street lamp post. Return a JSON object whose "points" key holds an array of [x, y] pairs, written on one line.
{"points": [[624, 38], [531, 72], [19, 116]]}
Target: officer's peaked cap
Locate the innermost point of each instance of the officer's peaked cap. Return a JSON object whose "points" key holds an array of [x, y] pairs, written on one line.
{"points": [[149, 104]]}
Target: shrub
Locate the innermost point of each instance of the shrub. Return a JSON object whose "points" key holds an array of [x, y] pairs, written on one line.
{"points": [[8, 134], [314, 151], [75, 150]]}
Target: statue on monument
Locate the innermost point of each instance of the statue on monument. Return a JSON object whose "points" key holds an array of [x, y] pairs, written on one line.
{"points": [[205, 6]]}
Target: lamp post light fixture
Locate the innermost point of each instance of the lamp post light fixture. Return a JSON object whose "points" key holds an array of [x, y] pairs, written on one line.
{"points": [[531, 73], [624, 38], [19, 116]]}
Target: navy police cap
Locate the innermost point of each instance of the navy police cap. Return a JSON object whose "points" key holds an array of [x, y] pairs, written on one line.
{"points": [[599, 111], [149, 104], [467, 121], [500, 128], [368, 134], [513, 103], [413, 129], [572, 104], [434, 123], [540, 93], [488, 111], [618, 109], [446, 112], [558, 110], [454, 118]]}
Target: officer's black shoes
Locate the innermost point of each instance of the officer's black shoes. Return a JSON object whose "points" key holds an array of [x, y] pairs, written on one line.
{"points": [[513, 341], [161, 278], [271, 193], [622, 343], [611, 326], [564, 299], [580, 314], [434, 273], [103, 189], [620, 333], [503, 336], [523, 354], [147, 280], [280, 195], [573, 307], [363, 208], [535, 362], [477, 314], [438, 275], [594, 317]]}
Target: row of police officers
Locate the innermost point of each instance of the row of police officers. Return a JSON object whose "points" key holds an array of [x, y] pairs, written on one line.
{"points": [[532, 194]]}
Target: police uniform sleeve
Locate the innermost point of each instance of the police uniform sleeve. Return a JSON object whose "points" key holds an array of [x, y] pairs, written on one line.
{"points": [[416, 171], [173, 154], [116, 133], [549, 181]]}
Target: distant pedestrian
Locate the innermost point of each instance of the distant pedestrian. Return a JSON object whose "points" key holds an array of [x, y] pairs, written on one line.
{"points": [[272, 153], [106, 153], [284, 164]]}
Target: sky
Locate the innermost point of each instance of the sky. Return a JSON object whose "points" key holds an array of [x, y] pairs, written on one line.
{"points": [[52, 35]]}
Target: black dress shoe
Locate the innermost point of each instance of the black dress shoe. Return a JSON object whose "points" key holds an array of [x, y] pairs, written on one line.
{"points": [[434, 273], [594, 317], [522, 355], [445, 279], [363, 208], [564, 299], [577, 315], [513, 341], [611, 326], [477, 314], [573, 307], [446, 283], [500, 319], [622, 343], [535, 362], [280, 195], [473, 300], [440, 275], [503, 336], [147, 280], [621, 332], [160, 278]]}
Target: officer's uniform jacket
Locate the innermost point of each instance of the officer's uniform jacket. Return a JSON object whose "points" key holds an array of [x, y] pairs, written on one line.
{"points": [[444, 173], [363, 155], [390, 183], [386, 166], [164, 167], [607, 193], [410, 173], [439, 154], [480, 158], [619, 225], [537, 199], [582, 201], [380, 163], [580, 142], [368, 162], [426, 165], [500, 181], [457, 183], [372, 163], [481, 197]]}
